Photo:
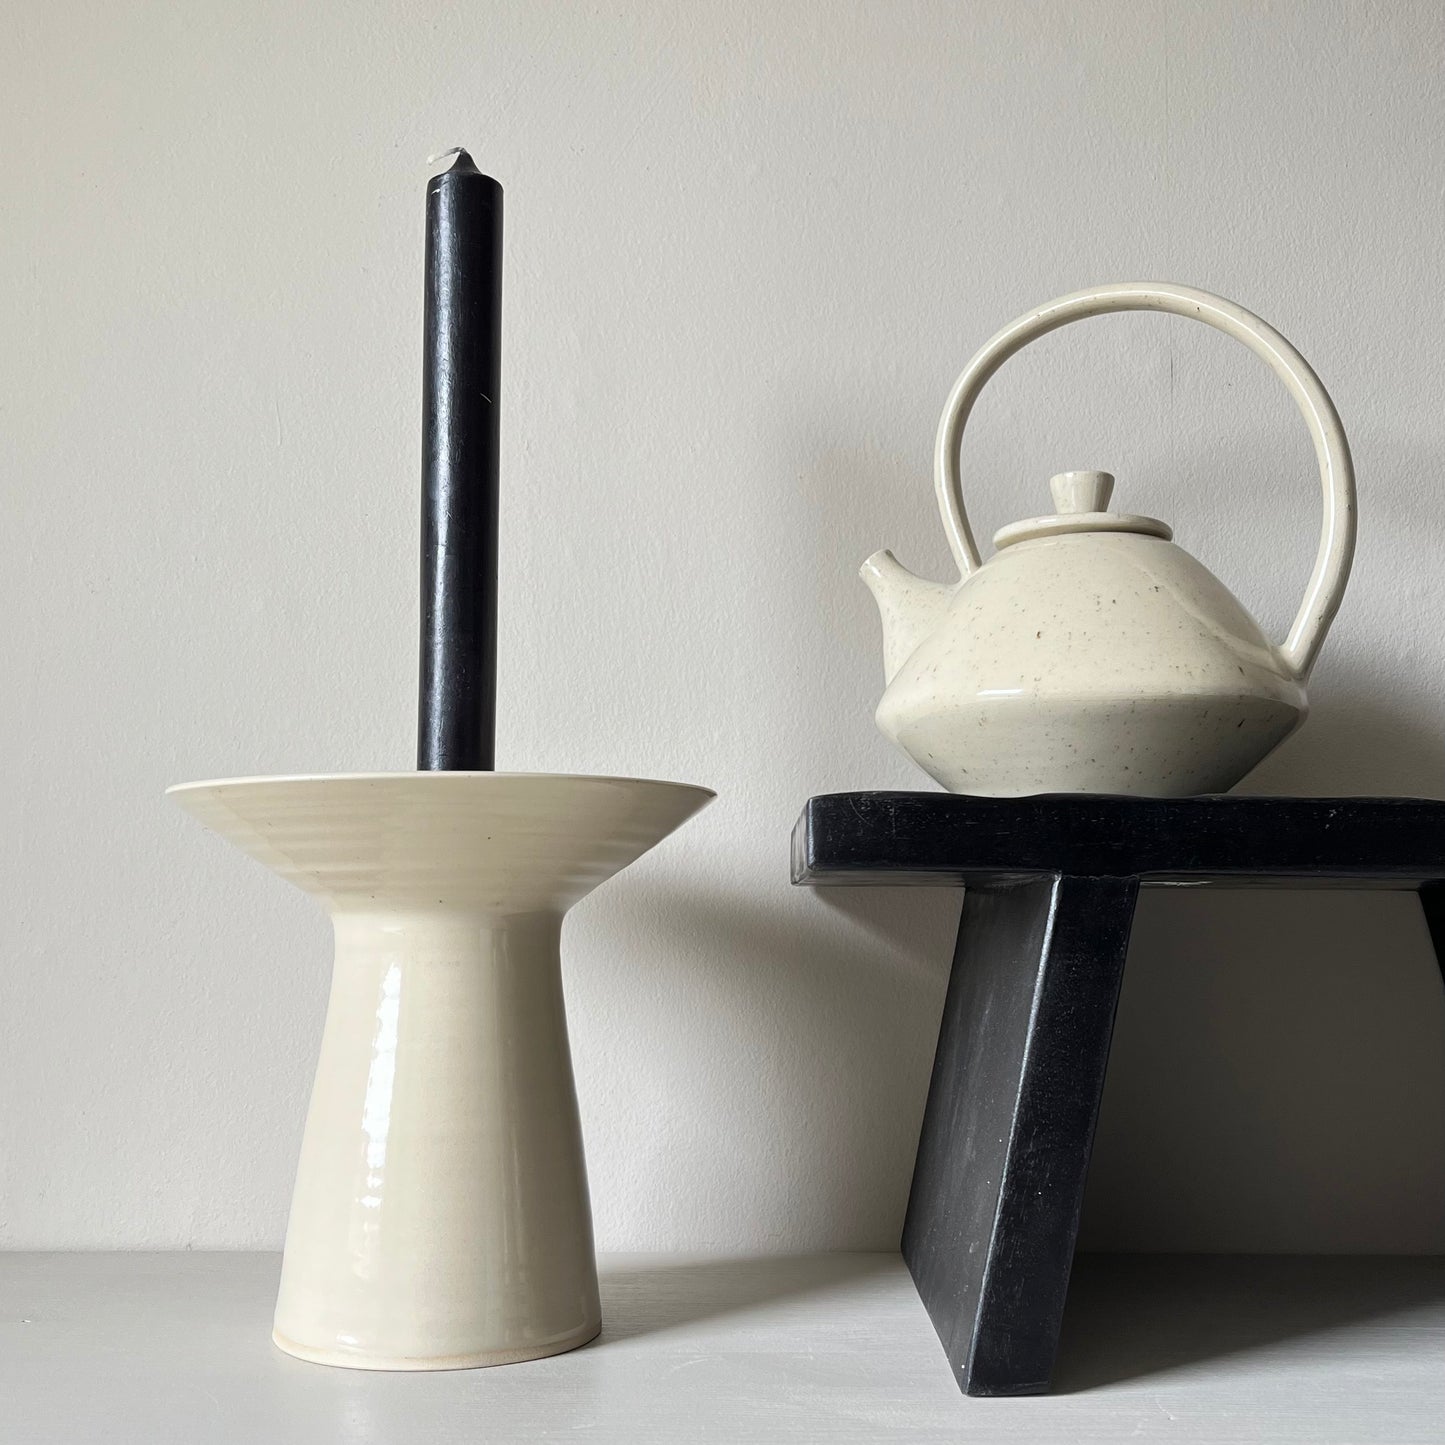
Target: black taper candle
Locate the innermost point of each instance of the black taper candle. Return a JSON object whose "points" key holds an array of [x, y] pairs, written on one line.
{"points": [[461, 377]]}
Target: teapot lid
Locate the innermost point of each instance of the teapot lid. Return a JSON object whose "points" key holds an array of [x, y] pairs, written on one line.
{"points": [[1082, 499]]}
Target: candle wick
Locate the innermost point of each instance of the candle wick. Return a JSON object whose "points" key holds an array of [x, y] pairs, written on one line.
{"points": [[464, 162]]}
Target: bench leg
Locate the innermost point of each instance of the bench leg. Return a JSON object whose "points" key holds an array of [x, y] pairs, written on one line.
{"points": [[1432, 901], [1004, 1153]]}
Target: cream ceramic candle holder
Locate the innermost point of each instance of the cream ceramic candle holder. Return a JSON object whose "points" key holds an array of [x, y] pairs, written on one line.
{"points": [[441, 1218]]}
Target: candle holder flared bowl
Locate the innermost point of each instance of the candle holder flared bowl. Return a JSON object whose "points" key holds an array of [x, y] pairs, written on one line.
{"points": [[441, 1218]]}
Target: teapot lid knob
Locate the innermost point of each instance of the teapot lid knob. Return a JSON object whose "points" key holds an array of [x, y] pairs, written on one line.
{"points": [[1082, 499], [1082, 491]]}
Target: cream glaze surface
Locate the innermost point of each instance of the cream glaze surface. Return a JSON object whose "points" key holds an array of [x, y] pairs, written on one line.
{"points": [[1090, 653], [441, 1217], [1114, 662]]}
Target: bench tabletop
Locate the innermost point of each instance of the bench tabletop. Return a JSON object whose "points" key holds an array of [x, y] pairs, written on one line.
{"points": [[944, 838]]}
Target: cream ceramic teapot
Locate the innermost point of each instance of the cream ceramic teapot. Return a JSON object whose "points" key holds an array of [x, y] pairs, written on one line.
{"points": [[1090, 653]]}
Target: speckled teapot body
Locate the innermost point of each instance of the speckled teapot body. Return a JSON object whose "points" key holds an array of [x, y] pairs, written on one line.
{"points": [[1090, 653]]}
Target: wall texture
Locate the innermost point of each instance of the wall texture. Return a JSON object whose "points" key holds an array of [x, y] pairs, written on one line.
{"points": [[750, 245]]}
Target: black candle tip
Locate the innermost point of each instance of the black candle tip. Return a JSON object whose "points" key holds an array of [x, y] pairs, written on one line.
{"points": [[463, 165]]}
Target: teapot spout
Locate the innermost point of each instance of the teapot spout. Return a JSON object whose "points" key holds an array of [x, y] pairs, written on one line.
{"points": [[911, 607]]}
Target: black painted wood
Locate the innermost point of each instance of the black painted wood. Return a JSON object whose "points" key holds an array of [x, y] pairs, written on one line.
{"points": [[1004, 1153], [1024, 1042], [1432, 900], [936, 838]]}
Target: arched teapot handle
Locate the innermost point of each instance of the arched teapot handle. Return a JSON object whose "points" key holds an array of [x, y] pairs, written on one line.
{"points": [[1337, 474]]}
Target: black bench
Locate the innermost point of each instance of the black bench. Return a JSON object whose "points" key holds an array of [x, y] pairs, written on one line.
{"points": [[1024, 1041]]}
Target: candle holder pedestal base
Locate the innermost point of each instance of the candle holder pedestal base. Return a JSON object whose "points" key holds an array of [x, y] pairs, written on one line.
{"points": [[441, 1217]]}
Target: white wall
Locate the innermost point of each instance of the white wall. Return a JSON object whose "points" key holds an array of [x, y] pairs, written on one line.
{"points": [[750, 245]]}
